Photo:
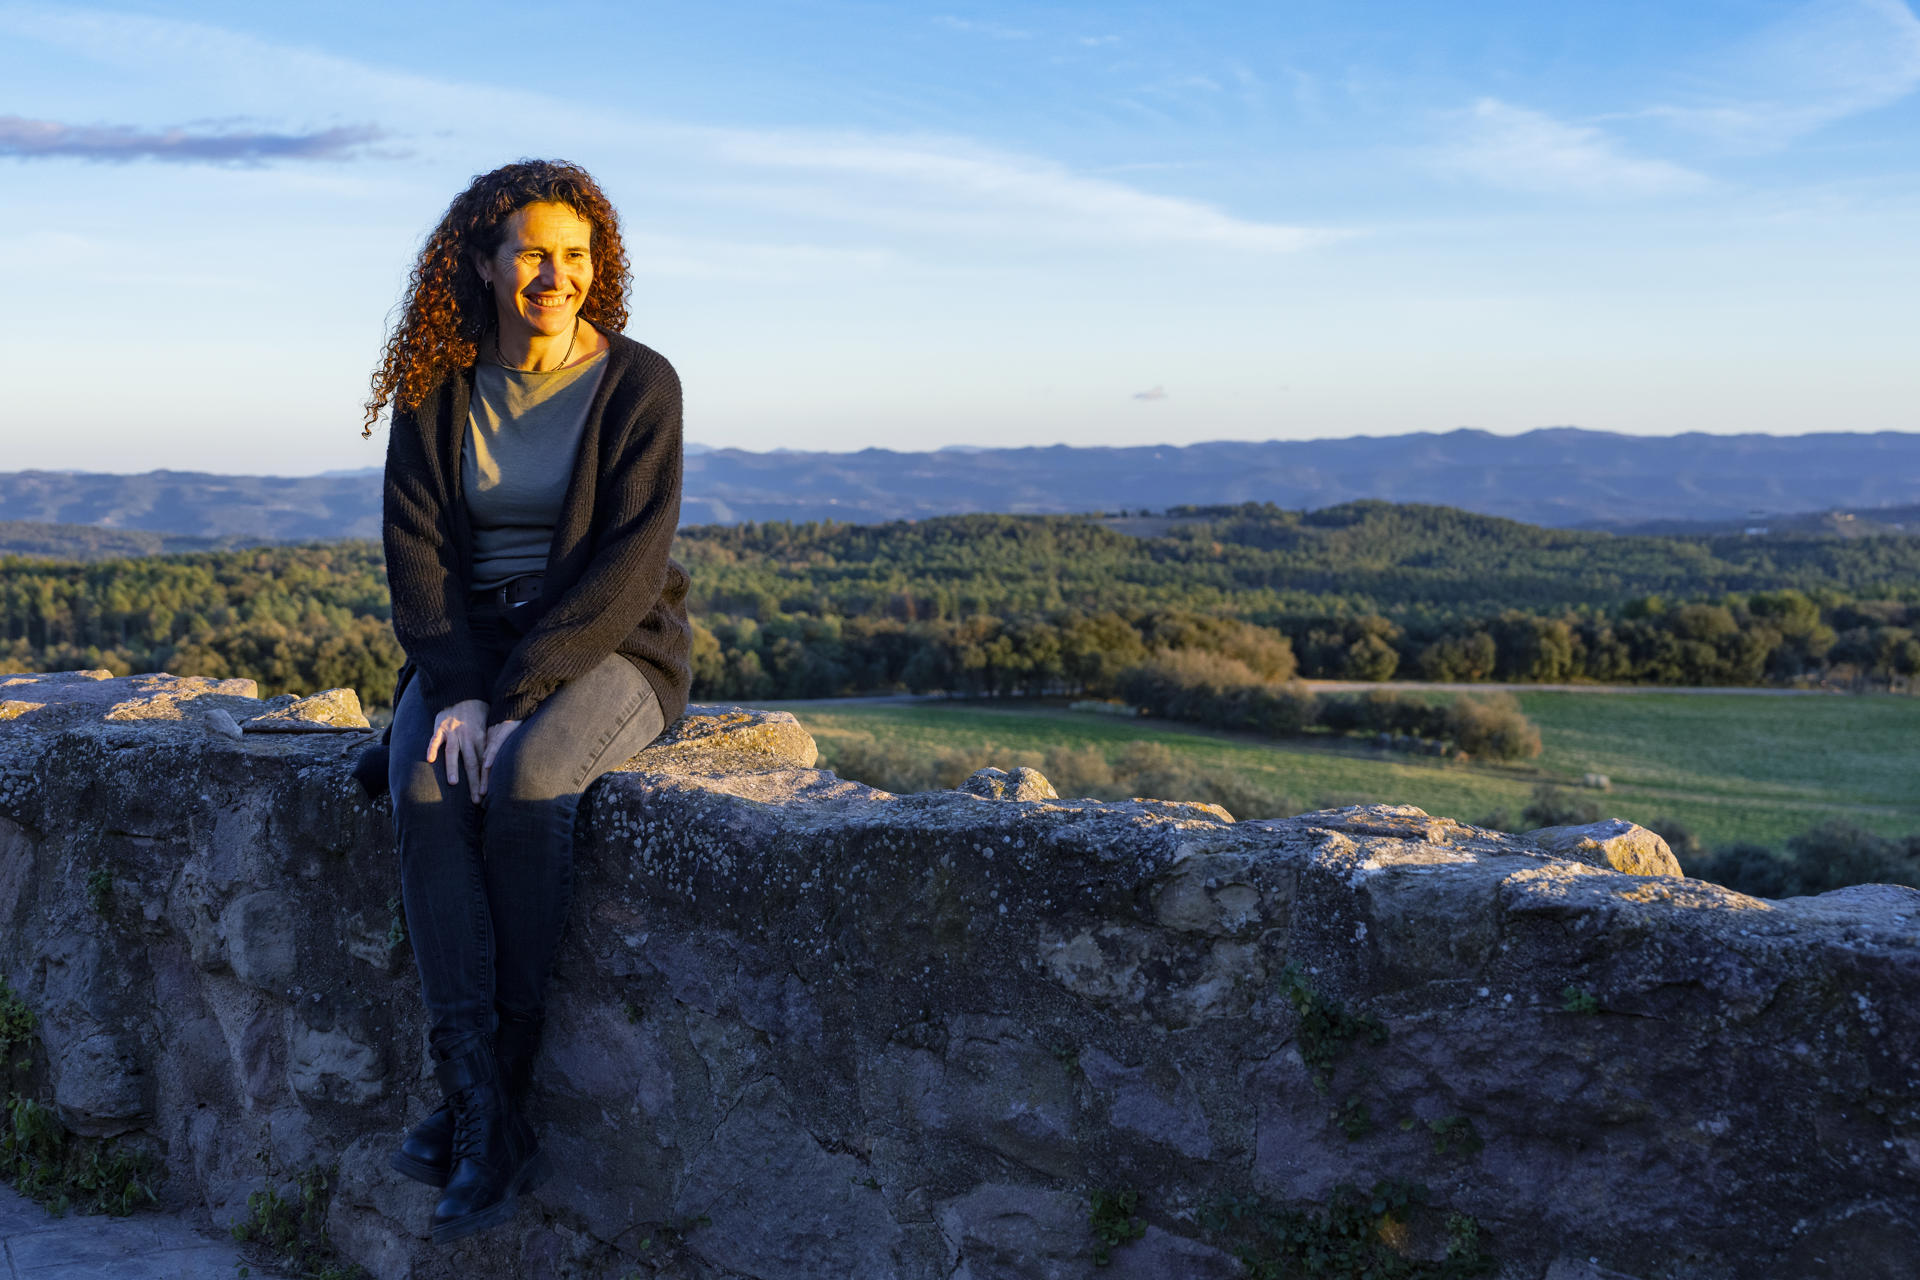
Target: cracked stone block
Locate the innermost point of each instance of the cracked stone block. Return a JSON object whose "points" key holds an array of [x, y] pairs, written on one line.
{"points": [[258, 929]]}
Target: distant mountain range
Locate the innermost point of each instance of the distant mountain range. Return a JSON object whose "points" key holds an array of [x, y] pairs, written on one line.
{"points": [[1560, 476]]}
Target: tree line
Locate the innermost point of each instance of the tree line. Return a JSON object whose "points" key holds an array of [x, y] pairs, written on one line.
{"points": [[1005, 605]]}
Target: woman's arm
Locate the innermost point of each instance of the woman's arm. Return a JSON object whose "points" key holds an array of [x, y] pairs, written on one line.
{"points": [[639, 495], [429, 599]]}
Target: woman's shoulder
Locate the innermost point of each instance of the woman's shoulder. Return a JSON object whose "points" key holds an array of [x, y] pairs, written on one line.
{"points": [[624, 350], [628, 359]]}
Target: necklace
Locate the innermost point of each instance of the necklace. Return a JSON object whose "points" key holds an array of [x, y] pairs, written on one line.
{"points": [[571, 339]]}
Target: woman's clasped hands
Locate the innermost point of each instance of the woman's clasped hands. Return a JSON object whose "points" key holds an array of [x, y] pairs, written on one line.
{"points": [[463, 732]]}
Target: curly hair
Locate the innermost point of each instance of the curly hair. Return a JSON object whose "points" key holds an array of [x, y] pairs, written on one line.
{"points": [[447, 308]]}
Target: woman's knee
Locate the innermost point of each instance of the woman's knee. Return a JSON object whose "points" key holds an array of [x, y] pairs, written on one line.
{"points": [[414, 780], [418, 783], [532, 777]]}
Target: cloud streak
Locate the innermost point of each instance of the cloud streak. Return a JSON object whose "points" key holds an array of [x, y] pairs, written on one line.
{"points": [[1821, 63], [906, 187], [1524, 150], [26, 139], [991, 30], [941, 182]]}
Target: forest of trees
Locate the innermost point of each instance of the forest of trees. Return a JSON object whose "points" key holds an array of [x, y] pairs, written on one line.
{"points": [[998, 605], [1007, 604], [294, 618]]}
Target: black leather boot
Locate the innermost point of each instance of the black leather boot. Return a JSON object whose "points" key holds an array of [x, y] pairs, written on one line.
{"points": [[495, 1157], [426, 1153]]}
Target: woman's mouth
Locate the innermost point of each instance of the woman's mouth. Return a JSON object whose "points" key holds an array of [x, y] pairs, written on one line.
{"points": [[554, 303]]}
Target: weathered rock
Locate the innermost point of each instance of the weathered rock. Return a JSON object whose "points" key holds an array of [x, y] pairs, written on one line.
{"points": [[100, 1084], [731, 740], [1617, 845], [259, 931], [328, 711], [44, 680], [220, 722], [997, 784], [331, 1065], [53, 700], [804, 1028], [1162, 1255], [375, 1218], [1005, 1232], [1165, 1111]]}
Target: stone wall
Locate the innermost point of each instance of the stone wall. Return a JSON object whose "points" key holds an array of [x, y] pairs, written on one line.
{"points": [[803, 1028]]}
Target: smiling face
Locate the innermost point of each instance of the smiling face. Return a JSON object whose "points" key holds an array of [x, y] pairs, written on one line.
{"points": [[540, 273]]}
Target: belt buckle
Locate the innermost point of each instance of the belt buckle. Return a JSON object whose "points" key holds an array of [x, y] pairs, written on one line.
{"points": [[512, 606]]}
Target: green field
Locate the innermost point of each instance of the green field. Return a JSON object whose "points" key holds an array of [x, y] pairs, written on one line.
{"points": [[1730, 767]]}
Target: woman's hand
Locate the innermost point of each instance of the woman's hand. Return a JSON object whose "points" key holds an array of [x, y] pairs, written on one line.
{"points": [[462, 730], [497, 736]]}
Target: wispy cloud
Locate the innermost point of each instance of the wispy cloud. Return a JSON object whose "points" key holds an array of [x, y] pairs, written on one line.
{"points": [[1151, 393], [1523, 150], [703, 258], [899, 191], [49, 139], [940, 181], [1822, 62], [1182, 84], [1096, 42], [992, 30]]}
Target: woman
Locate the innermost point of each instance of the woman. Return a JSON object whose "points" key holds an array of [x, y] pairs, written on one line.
{"points": [[532, 490]]}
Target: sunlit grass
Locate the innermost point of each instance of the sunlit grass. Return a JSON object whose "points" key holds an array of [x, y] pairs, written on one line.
{"points": [[1729, 767]]}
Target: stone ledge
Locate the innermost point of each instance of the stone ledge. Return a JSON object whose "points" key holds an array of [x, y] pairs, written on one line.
{"points": [[817, 1029]]}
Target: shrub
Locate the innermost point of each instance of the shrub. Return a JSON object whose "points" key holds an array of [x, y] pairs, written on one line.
{"points": [[294, 1230], [16, 1024], [1079, 771], [1188, 684], [1746, 868], [1219, 690], [1830, 856], [1383, 711], [1836, 854], [1552, 807], [1679, 837], [1493, 726], [62, 1171]]}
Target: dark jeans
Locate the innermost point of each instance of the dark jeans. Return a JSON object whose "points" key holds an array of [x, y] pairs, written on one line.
{"points": [[486, 886]]}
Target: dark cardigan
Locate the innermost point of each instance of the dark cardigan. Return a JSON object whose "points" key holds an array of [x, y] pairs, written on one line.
{"points": [[609, 586]]}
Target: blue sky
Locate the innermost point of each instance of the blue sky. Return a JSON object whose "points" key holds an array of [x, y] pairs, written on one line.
{"points": [[909, 226]]}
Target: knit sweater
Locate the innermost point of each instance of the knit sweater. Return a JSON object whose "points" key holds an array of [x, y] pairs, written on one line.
{"points": [[609, 585]]}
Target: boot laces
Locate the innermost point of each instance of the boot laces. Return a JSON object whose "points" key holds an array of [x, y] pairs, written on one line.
{"points": [[468, 1128]]}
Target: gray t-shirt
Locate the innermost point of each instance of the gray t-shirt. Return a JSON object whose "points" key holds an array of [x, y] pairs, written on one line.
{"points": [[523, 430]]}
